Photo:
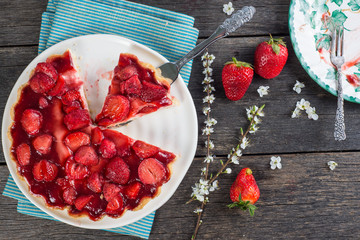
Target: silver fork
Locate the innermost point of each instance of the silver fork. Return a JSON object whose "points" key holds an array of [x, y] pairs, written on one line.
{"points": [[336, 57]]}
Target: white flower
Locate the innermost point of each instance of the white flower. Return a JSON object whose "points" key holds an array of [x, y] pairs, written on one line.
{"points": [[235, 159], [332, 165], [207, 80], [298, 86], [209, 144], [228, 8], [206, 110], [209, 88], [257, 120], [208, 71], [203, 170], [210, 122], [303, 104], [209, 99], [207, 131], [228, 170], [263, 90], [253, 129], [244, 143], [238, 153], [311, 113], [296, 113], [198, 210], [214, 186], [275, 162], [209, 159]]}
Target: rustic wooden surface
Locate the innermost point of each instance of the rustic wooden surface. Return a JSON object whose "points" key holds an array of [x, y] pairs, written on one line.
{"points": [[303, 200]]}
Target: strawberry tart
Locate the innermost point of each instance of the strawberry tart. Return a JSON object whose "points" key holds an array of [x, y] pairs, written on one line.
{"points": [[82, 164]]}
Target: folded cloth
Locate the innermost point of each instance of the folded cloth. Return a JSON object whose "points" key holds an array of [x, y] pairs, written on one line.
{"points": [[169, 33]]}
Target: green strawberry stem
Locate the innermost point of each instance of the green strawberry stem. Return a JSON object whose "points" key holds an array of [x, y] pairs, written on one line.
{"points": [[243, 205], [275, 44], [239, 63]]}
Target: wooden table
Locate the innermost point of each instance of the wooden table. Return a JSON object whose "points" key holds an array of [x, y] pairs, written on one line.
{"points": [[303, 200]]}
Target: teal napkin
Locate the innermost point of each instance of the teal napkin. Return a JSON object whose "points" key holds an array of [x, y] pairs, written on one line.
{"points": [[169, 33]]}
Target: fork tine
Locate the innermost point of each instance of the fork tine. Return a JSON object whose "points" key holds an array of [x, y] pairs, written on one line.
{"points": [[339, 41], [342, 40], [333, 43]]}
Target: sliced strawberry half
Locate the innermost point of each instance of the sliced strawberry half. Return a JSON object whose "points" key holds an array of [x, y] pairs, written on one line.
{"points": [[96, 136], [72, 106], [70, 97], [41, 83], [59, 89], [75, 170], [76, 140], [95, 182], [86, 155], [114, 205], [77, 119], [144, 150], [133, 85], [69, 195], [116, 108], [43, 103], [125, 73], [82, 201], [31, 121], [48, 69], [132, 191], [44, 171], [23, 154], [151, 171], [118, 171], [151, 92], [42, 143], [107, 148], [110, 190]]}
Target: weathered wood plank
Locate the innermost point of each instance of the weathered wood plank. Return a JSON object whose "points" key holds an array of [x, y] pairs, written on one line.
{"points": [[303, 200], [24, 28]]}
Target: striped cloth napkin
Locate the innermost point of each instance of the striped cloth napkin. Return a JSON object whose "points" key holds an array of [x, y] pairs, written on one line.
{"points": [[169, 33]]}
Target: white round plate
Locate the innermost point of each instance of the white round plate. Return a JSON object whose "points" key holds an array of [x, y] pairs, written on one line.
{"points": [[173, 129], [311, 23]]}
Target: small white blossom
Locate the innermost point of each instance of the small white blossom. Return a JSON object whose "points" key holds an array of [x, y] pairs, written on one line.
{"points": [[208, 71], [207, 131], [203, 170], [296, 113], [209, 88], [332, 165], [206, 110], [228, 170], [209, 144], [209, 159], [238, 153], [210, 122], [228, 8], [298, 86], [244, 143], [214, 186], [209, 99], [257, 120], [235, 159], [263, 90], [275, 162], [207, 80], [198, 210], [311, 113], [303, 104], [253, 129], [207, 57]]}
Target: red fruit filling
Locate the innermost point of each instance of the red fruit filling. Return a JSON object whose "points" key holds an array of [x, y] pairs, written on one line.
{"points": [[70, 162]]}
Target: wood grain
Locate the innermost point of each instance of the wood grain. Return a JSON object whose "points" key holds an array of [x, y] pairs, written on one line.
{"points": [[303, 200]]}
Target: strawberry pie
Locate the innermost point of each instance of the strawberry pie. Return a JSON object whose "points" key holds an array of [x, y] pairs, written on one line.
{"points": [[76, 163]]}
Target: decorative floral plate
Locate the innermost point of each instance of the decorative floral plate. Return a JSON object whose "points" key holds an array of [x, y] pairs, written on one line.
{"points": [[311, 23]]}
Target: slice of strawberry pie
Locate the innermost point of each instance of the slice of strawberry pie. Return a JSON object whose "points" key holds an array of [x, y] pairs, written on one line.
{"points": [[71, 162], [136, 89]]}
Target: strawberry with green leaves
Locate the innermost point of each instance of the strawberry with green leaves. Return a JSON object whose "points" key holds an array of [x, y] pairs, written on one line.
{"points": [[244, 192], [270, 57], [236, 79]]}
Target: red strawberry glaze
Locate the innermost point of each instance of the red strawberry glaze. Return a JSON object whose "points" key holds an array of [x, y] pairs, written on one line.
{"points": [[82, 195], [140, 86]]}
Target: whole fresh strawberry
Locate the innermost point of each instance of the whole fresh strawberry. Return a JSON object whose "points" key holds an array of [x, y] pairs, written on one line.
{"points": [[236, 78], [244, 192], [270, 57]]}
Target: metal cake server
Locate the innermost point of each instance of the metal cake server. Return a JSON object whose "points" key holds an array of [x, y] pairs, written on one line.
{"points": [[171, 70]]}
